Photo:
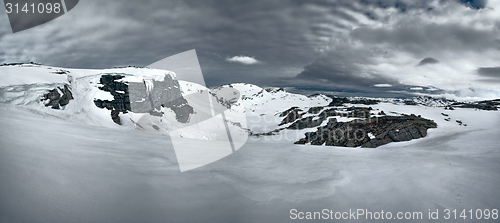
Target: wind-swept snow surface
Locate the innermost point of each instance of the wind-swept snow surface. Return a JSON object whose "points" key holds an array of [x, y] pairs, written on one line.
{"points": [[56, 170], [67, 166]]}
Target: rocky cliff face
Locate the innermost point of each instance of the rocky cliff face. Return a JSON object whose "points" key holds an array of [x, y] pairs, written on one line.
{"points": [[150, 96], [371, 132], [291, 115], [119, 90], [146, 97], [58, 97]]}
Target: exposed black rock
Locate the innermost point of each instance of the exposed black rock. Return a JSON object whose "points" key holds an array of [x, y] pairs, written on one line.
{"points": [[58, 97], [491, 105], [164, 93], [17, 64], [359, 112], [327, 113], [339, 101], [119, 90], [315, 110], [115, 116], [274, 90], [410, 102], [285, 113], [364, 101], [314, 121], [291, 115], [355, 133], [61, 71], [307, 122]]}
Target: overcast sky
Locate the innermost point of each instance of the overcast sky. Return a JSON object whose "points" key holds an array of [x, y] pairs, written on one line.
{"points": [[359, 47]]}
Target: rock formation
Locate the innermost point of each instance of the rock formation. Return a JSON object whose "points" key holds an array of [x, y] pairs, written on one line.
{"points": [[140, 98], [370, 132], [58, 97]]}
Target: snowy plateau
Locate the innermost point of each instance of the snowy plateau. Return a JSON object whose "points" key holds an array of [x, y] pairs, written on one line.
{"points": [[70, 151]]}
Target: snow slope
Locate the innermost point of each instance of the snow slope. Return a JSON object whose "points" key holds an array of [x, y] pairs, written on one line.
{"points": [[74, 172], [76, 165]]}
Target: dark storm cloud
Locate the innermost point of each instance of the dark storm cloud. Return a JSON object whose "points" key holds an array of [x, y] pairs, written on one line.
{"points": [[340, 71], [419, 38], [428, 60], [489, 72], [340, 68], [120, 33], [339, 77], [302, 44], [476, 4], [490, 80], [345, 79]]}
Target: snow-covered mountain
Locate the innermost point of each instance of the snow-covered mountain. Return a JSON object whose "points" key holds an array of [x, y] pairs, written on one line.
{"points": [[108, 97], [40, 88], [118, 98]]}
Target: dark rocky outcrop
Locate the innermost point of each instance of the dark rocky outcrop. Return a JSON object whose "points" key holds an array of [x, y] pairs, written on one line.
{"points": [[314, 121], [382, 130], [291, 115], [491, 105], [315, 110], [307, 122], [119, 90], [17, 64], [359, 112], [136, 97], [410, 102], [364, 101], [339, 101], [166, 94], [58, 97], [274, 90], [285, 113], [61, 71], [327, 113]]}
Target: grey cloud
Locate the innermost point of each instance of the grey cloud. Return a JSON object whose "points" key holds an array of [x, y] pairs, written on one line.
{"points": [[122, 33], [340, 70], [291, 37], [428, 60], [421, 38], [489, 72], [342, 67], [476, 4], [490, 80]]}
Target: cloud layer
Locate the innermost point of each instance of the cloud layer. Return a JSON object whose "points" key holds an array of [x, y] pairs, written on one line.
{"points": [[345, 47]]}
